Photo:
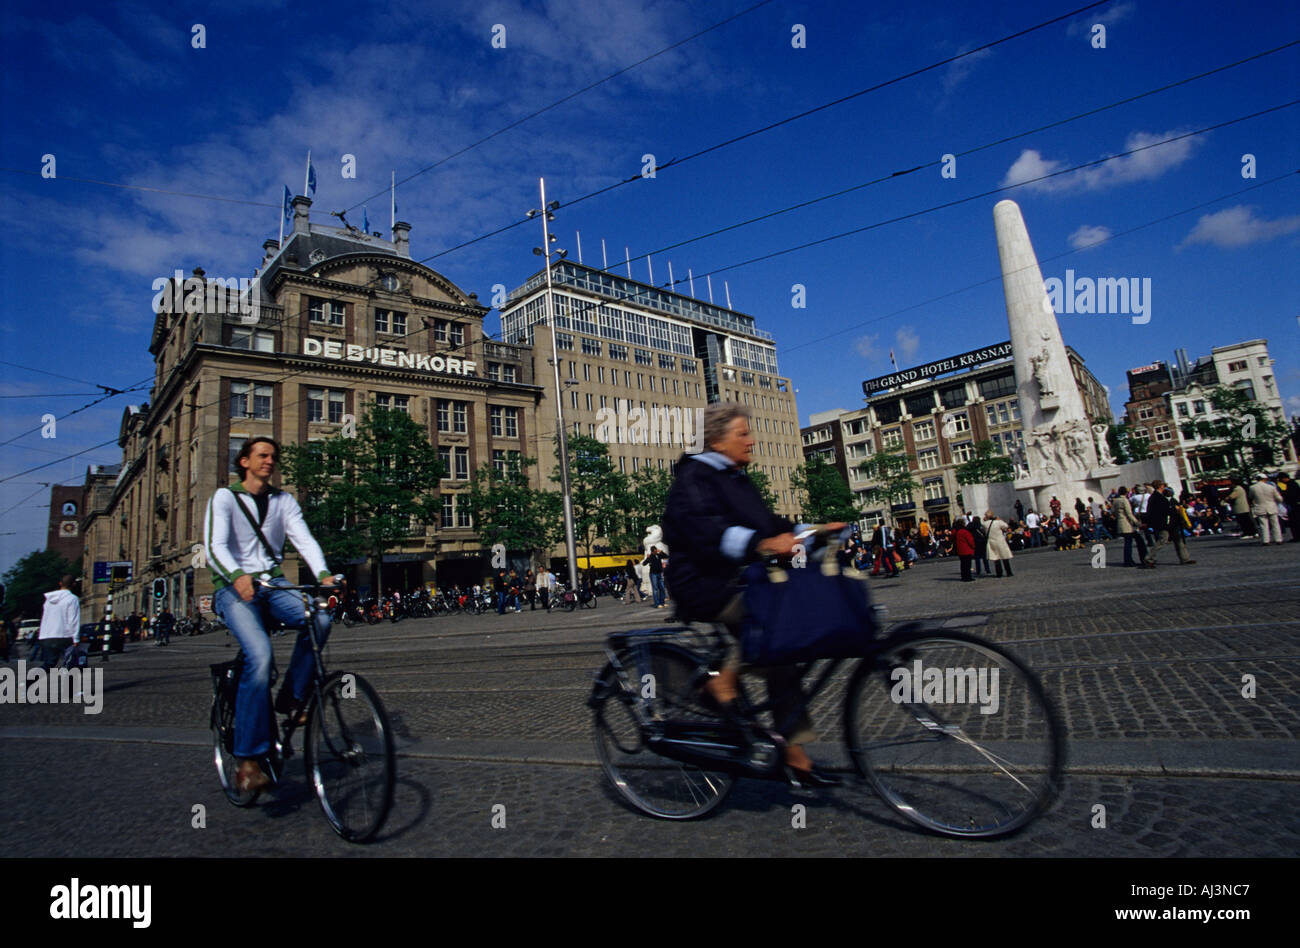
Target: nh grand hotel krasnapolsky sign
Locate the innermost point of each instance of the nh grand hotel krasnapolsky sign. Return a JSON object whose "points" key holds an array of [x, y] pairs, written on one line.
{"points": [[931, 370]]}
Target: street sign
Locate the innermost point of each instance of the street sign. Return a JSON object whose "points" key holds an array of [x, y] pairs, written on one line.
{"points": [[114, 571]]}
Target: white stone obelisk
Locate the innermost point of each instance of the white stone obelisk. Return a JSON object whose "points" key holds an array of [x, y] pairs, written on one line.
{"points": [[1059, 449]]}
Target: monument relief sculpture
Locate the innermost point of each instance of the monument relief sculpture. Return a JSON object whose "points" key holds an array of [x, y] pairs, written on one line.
{"points": [[1103, 446]]}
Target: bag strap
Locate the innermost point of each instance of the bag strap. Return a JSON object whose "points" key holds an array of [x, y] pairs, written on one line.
{"points": [[256, 529]]}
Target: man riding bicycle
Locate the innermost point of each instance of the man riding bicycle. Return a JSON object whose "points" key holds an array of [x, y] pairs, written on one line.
{"points": [[714, 523], [245, 529]]}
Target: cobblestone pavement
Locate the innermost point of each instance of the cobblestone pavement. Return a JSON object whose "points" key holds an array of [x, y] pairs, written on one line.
{"points": [[1146, 667]]}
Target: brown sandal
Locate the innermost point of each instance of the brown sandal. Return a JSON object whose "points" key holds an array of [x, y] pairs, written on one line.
{"points": [[250, 778]]}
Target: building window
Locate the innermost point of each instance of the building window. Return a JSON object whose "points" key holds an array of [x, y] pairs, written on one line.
{"points": [[448, 510], [400, 403], [494, 371], [1237, 366], [248, 400], [1146, 412], [667, 362], [564, 341], [1161, 432], [956, 423], [1183, 411], [444, 458], [934, 489], [601, 370], [1247, 386], [962, 452], [321, 311], [388, 321], [459, 413], [589, 408], [461, 458], [689, 366], [323, 405], [1198, 407], [254, 341], [590, 347], [892, 438], [923, 430], [440, 335], [995, 388], [928, 459], [618, 352], [456, 334]]}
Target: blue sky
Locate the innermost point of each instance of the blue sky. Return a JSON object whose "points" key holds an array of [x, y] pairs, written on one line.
{"points": [[118, 93]]}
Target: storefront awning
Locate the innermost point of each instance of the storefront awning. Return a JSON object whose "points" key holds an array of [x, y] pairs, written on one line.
{"points": [[608, 562]]}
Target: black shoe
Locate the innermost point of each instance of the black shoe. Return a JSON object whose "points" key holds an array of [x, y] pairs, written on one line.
{"points": [[809, 779]]}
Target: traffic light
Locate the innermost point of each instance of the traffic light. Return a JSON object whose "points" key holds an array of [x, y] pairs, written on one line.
{"points": [[159, 588]]}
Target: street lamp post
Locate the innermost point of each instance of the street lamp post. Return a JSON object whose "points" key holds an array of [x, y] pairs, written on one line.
{"points": [[562, 438]]}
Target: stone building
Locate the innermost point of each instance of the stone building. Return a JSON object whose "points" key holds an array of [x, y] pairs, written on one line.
{"points": [[638, 362], [936, 423], [334, 320]]}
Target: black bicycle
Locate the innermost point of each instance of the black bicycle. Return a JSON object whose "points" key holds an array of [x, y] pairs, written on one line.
{"points": [[348, 747], [953, 732]]}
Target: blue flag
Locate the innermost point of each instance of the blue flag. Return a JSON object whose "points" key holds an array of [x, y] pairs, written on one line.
{"points": [[311, 178], [288, 207], [365, 220]]}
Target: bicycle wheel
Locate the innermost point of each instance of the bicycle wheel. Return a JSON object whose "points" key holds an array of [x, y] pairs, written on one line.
{"points": [[656, 785], [350, 758], [223, 752], [954, 733]]}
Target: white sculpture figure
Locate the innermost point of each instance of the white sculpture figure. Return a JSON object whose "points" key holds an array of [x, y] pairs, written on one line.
{"points": [[1041, 375], [1103, 446], [1019, 464], [1039, 440], [1076, 448]]}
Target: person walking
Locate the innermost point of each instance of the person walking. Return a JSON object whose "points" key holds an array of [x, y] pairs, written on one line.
{"points": [[1131, 530], [632, 589], [882, 547], [964, 545], [530, 590], [60, 622], [1290, 491], [545, 583], [1165, 516], [1264, 501], [976, 528], [1241, 509], [999, 550], [1020, 511], [163, 627]]}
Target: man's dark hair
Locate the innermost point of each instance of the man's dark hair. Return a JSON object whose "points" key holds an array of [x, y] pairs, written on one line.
{"points": [[246, 450]]}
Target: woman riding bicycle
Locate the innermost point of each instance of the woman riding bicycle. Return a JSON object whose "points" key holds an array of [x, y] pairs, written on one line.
{"points": [[715, 523], [244, 533]]}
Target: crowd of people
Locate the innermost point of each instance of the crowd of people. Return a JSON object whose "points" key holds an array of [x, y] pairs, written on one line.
{"points": [[1145, 516]]}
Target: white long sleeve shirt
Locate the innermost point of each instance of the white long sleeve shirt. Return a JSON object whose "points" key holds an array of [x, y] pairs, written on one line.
{"points": [[231, 543], [61, 617]]}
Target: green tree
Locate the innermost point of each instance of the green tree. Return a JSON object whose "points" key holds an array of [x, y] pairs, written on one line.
{"points": [[829, 499], [1246, 431], [599, 493], [506, 509], [892, 475], [361, 495], [764, 485], [647, 497], [1129, 448], [31, 578], [987, 466]]}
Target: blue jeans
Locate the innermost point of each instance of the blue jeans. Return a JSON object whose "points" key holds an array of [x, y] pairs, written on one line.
{"points": [[246, 621], [1129, 540], [657, 587], [1036, 536]]}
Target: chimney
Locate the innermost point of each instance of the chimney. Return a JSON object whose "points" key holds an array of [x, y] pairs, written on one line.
{"points": [[269, 249], [301, 205], [402, 238]]}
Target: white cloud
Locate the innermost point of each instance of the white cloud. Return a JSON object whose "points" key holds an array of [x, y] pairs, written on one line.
{"points": [[1145, 165], [956, 73], [1107, 18], [1293, 406], [867, 347], [1237, 227], [908, 342], [1089, 235]]}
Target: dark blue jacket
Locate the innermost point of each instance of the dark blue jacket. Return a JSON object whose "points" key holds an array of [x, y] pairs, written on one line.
{"points": [[702, 504]]}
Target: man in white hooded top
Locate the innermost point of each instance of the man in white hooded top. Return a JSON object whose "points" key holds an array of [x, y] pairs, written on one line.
{"points": [[60, 622]]}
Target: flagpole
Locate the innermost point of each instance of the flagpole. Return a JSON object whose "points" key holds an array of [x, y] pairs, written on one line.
{"points": [[392, 203], [306, 174]]}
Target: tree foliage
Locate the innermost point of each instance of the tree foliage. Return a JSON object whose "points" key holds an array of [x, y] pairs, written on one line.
{"points": [[986, 466], [1246, 432], [31, 578], [599, 492], [764, 485], [506, 509], [360, 495], [828, 497]]}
